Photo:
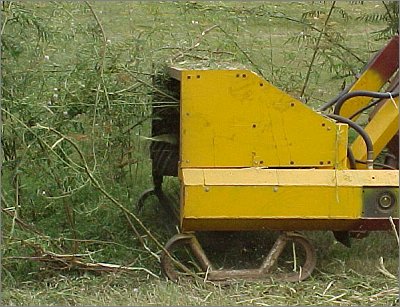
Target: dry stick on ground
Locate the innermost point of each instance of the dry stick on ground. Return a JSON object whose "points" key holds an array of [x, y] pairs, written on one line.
{"points": [[394, 230], [381, 266], [71, 261], [383, 270]]}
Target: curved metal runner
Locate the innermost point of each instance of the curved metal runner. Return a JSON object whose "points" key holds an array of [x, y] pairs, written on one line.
{"points": [[261, 273]]}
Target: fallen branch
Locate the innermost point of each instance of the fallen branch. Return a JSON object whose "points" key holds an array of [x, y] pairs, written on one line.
{"points": [[74, 261], [383, 270], [394, 230]]}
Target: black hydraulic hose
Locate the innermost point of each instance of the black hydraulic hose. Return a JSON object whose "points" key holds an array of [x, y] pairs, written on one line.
{"points": [[347, 96], [333, 100], [374, 103], [363, 134], [351, 158]]}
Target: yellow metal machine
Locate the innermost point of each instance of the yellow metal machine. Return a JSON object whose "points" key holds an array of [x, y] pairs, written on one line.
{"points": [[251, 157]]}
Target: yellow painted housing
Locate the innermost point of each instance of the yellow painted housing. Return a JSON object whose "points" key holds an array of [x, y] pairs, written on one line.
{"points": [[234, 118], [253, 157], [381, 129]]}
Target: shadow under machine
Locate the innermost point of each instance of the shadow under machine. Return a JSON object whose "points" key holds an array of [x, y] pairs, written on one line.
{"points": [[250, 157]]}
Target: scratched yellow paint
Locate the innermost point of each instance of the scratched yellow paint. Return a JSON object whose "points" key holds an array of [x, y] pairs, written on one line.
{"points": [[234, 118], [381, 128]]}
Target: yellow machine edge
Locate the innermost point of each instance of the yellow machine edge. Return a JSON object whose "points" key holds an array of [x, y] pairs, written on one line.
{"points": [[247, 198]]}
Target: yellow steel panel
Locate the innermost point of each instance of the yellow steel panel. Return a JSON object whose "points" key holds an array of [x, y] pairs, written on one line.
{"points": [[233, 118], [289, 177], [241, 202], [381, 129], [258, 198]]}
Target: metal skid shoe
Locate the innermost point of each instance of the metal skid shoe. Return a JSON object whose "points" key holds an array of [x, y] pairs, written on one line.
{"points": [[171, 267]]}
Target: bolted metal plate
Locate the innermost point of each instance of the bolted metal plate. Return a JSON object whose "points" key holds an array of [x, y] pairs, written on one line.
{"points": [[380, 202]]}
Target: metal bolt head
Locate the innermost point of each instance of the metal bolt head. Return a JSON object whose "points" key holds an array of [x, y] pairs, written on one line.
{"points": [[385, 201]]}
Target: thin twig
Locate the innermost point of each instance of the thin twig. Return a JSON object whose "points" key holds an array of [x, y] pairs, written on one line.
{"points": [[135, 230], [316, 49], [102, 51], [5, 19], [27, 226], [327, 36], [71, 164], [151, 86], [243, 52], [20, 222], [195, 44], [140, 122], [387, 10], [103, 34]]}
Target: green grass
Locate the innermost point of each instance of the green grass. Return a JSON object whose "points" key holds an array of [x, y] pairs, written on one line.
{"points": [[57, 73], [342, 278]]}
